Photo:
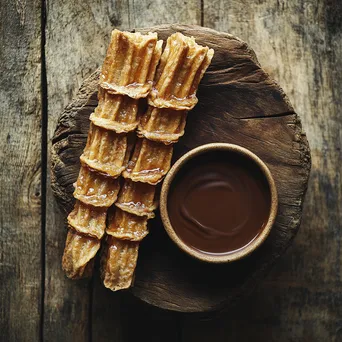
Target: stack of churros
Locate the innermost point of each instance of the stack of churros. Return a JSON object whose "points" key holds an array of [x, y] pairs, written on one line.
{"points": [[126, 76], [181, 68]]}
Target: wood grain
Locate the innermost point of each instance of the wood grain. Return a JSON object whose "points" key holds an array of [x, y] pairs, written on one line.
{"points": [[241, 104], [297, 42], [88, 310], [75, 25], [300, 44], [20, 172]]}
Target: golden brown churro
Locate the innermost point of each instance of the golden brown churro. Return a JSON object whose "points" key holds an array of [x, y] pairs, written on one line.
{"points": [[182, 66], [88, 220], [130, 64], [118, 263], [117, 113], [79, 253], [162, 124], [127, 226], [106, 151], [95, 189], [128, 69], [138, 198], [149, 163]]}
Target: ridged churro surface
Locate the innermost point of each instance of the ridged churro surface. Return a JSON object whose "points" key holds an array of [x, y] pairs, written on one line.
{"points": [[126, 76], [162, 124], [130, 63], [126, 226], [150, 162], [106, 151], [117, 113], [95, 189], [182, 66], [137, 198], [88, 220], [79, 253], [118, 263]]}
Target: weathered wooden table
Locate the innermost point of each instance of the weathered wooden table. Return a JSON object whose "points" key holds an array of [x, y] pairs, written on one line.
{"points": [[47, 49]]}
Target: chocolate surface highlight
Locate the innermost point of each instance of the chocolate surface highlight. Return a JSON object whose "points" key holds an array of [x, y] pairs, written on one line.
{"points": [[219, 202]]}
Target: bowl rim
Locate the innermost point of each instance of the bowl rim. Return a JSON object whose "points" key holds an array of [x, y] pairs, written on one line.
{"points": [[224, 257]]}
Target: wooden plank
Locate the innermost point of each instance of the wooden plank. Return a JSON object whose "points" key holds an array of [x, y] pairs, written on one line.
{"points": [[77, 34], [106, 312], [20, 171], [150, 13], [299, 43]]}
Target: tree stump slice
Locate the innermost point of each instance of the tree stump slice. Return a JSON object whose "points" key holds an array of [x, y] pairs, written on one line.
{"points": [[238, 103]]}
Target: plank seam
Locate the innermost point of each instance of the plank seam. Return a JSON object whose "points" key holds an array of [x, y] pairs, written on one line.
{"points": [[278, 115], [90, 312], [202, 12], [44, 125]]}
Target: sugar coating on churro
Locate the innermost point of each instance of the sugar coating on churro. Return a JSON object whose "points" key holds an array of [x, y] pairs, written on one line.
{"points": [[130, 63], [137, 198], [149, 163], [88, 220], [106, 151], [126, 226], [182, 66], [162, 124], [117, 113], [95, 189], [79, 253], [118, 263]]}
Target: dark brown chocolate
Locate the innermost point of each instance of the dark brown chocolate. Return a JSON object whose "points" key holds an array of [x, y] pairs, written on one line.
{"points": [[219, 202]]}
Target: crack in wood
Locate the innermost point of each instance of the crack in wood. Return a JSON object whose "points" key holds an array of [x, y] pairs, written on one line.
{"points": [[278, 115]]}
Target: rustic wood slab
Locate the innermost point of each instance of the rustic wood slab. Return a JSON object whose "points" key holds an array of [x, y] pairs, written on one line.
{"points": [[239, 103], [21, 189]]}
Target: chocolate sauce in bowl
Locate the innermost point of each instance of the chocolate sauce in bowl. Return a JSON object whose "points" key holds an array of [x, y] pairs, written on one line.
{"points": [[219, 202]]}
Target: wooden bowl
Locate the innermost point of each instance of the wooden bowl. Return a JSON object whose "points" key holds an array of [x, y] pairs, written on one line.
{"points": [[242, 252]]}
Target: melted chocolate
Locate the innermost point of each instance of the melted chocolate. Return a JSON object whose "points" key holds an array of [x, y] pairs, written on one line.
{"points": [[219, 202]]}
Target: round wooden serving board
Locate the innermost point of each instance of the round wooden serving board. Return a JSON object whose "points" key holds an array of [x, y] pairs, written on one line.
{"points": [[238, 103]]}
